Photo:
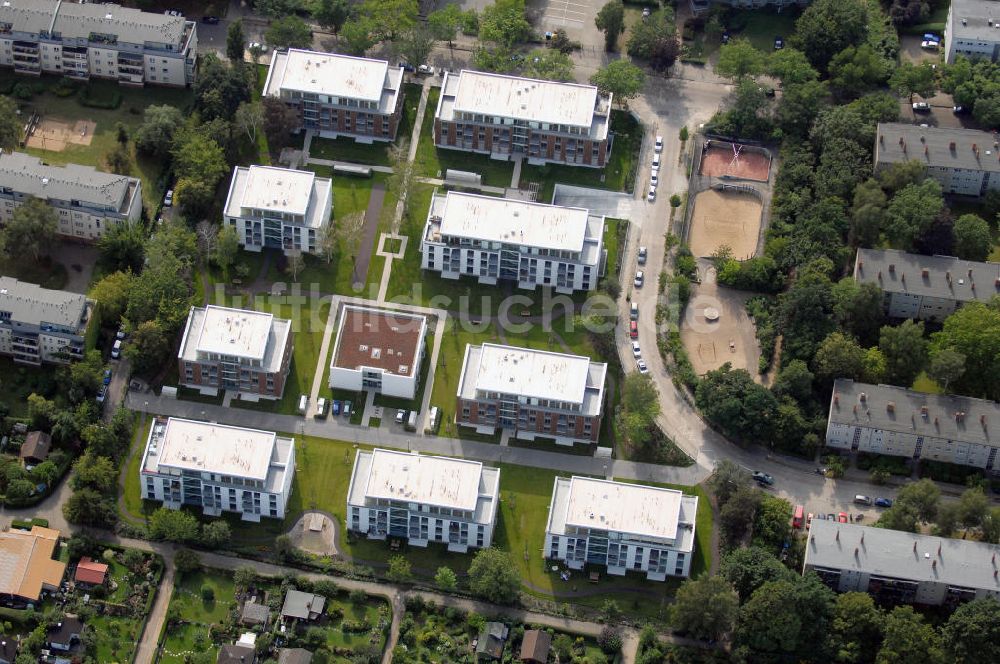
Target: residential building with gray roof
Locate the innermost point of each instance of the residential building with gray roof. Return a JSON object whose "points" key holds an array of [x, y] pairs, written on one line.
{"points": [[973, 30], [927, 288], [40, 324], [100, 40], [963, 161], [898, 567], [884, 419], [87, 201]]}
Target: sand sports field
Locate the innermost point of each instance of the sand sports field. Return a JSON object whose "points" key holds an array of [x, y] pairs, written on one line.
{"points": [[717, 160], [725, 218], [56, 133]]}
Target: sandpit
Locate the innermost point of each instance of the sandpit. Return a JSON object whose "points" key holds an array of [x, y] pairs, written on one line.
{"points": [[56, 133], [725, 218]]}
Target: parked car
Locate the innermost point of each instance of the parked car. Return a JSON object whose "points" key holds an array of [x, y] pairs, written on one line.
{"points": [[120, 334], [656, 161], [400, 416], [633, 330], [961, 110], [211, 20], [425, 69], [347, 409], [639, 277], [862, 500], [636, 351], [658, 145], [257, 46], [645, 12], [726, 37], [116, 350], [102, 395], [921, 106], [641, 366], [842, 517], [651, 196], [763, 478], [809, 520], [107, 376], [320, 408], [929, 45], [633, 311], [779, 43], [883, 502], [831, 517], [335, 408], [930, 36], [168, 200], [654, 177]]}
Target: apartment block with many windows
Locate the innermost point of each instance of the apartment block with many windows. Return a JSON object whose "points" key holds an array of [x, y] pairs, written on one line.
{"points": [[927, 288], [88, 202], [884, 419], [279, 208], [972, 29], [338, 95], [99, 40], [532, 393], [625, 527], [510, 117], [217, 468], [247, 352], [423, 499], [494, 239], [40, 324]]}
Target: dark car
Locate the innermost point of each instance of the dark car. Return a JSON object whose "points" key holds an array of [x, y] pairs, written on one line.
{"points": [[961, 110], [107, 376], [211, 20], [779, 43], [762, 478], [725, 37], [883, 502]]}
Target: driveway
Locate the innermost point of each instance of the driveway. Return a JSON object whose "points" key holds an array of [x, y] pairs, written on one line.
{"points": [[79, 260], [598, 201]]}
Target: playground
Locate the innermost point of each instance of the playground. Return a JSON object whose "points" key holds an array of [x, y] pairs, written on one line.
{"points": [[734, 160], [56, 133], [726, 216]]}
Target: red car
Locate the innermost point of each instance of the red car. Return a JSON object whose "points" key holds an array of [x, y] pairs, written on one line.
{"points": [[842, 517], [633, 329]]}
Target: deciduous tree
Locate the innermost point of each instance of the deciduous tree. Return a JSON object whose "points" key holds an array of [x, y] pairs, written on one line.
{"points": [[620, 78], [494, 577], [155, 135], [504, 23], [611, 21], [856, 629], [332, 14], [827, 27], [289, 32], [739, 58], [236, 41], [705, 607], [548, 64], [445, 579], [30, 232], [909, 639], [173, 525], [974, 331], [10, 124], [748, 568], [946, 366], [905, 350], [111, 295], [973, 238]]}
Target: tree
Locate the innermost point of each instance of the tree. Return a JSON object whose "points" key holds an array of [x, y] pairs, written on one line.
{"points": [[909, 79], [905, 350], [10, 124], [186, 560], [640, 407], [148, 348], [654, 38], [858, 308], [493, 576], [215, 534], [95, 472], [748, 568], [791, 66], [839, 356], [277, 121], [399, 569], [737, 405], [386, 19], [236, 41], [118, 160], [244, 577], [548, 64], [799, 105], [747, 111], [827, 27], [901, 174], [111, 295], [785, 620], [173, 525], [726, 478], [911, 212], [620, 78], [445, 23], [772, 522], [504, 23], [123, 247], [974, 331], [332, 14], [156, 134], [738, 514], [857, 627], [867, 213], [909, 639], [289, 32], [973, 239], [357, 36], [973, 507], [856, 70], [415, 45], [87, 507], [972, 633], [31, 230], [227, 247], [739, 58], [923, 496], [946, 366], [296, 263], [705, 607], [249, 117], [611, 21], [445, 579]]}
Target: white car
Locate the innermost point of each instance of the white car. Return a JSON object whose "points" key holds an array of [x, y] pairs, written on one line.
{"points": [[641, 258], [426, 69], [636, 351], [921, 106], [929, 45], [654, 178], [658, 145], [638, 279], [641, 366], [651, 196], [257, 46], [168, 200], [656, 161]]}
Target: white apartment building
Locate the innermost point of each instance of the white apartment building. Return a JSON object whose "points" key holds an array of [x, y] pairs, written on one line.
{"points": [[963, 161], [40, 324], [973, 30], [509, 117], [495, 239], [626, 527], [883, 419], [279, 208], [87, 201], [423, 499], [217, 468], [100, 40], [898, 567], [378, 350], [338, 95], [927, 288]]}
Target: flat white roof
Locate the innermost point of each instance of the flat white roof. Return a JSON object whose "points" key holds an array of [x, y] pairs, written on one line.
{"points": [[216, 448], [236, 332], [278, 189], [332, 74], [526, 98], [533, 373], [510, 221], [429, 480], [625, 508]]}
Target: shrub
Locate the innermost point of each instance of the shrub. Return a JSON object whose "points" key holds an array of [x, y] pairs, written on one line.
{"points": [[109, 100], [610, 640], [358, 597], [208, 593]]}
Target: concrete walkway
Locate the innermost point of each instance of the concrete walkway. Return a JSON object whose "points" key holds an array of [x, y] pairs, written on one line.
{"points": [[515, 178], [324, 349], [372, 214]]}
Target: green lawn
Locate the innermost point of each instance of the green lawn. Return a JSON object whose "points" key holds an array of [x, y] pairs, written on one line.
{"points": [[116, 637], [129, 113], [181, 640], [44, 272], [617, 175], [344, 148], [188, 600], [433, 162], [411, 102], [18, 381], [761, 26]]}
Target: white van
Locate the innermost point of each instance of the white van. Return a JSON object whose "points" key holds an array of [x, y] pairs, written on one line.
{"points": [[303, 404], [116, 350]]}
